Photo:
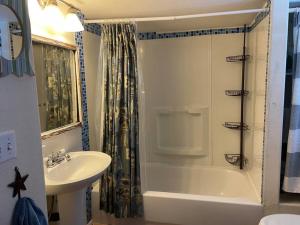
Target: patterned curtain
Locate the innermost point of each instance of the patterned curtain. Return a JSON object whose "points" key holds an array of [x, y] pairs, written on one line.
{"points": [[292, 169], [120, 185], [59, 86]]}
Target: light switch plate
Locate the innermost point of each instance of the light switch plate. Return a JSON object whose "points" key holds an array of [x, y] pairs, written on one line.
{"points": [[8, 148]]}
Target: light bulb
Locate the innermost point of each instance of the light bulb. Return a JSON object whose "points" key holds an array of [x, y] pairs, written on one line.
{"points": [[72, 23], [54, 18]]}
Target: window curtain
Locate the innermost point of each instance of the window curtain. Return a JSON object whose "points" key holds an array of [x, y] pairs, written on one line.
{"points": [[120, 185], [291, 181], [59, 86]]}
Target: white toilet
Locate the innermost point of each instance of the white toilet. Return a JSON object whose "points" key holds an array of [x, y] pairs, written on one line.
{"points": [[281, 219]]}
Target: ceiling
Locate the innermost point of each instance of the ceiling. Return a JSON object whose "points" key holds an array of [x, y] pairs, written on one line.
{"points": [[196, 23], [104, 9]]}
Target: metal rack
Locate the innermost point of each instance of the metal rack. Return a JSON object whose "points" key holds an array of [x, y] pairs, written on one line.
{"points": [[236, 126], [234, 159], [237, 58], [239, 159], [236, 93]]}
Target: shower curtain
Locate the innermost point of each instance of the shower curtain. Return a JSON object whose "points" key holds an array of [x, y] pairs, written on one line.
{"points": [[120, 185], [59, 86], [291, 181]]}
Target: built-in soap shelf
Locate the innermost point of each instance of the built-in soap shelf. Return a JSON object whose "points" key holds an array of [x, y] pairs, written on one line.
{"points": [[236, 125], [182, 131], [237, 58], [236, 93]]}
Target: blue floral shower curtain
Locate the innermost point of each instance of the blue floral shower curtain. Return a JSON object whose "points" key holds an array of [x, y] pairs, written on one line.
{"points": [[291, 181], [121, 184]]}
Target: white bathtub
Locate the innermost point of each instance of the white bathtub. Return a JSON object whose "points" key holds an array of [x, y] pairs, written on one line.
{"points": [[201, 196]]}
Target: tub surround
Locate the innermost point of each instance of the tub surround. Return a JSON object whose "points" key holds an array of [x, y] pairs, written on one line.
{"points": [[210, 94], [257, 81]]}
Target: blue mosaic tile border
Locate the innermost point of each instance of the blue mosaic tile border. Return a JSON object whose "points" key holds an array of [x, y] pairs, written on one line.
{"points": [[93, 28], [259, 17], [85, 124], [154, 35]]}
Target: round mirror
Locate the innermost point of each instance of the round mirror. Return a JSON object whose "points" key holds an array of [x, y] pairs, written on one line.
{"points": [[11, 38]]}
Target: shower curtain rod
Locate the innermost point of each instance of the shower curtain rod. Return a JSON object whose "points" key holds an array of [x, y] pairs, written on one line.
{"points": [[166, 18]]}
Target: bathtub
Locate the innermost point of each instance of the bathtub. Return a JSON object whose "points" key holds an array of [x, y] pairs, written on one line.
{"points": [[200, 196]]}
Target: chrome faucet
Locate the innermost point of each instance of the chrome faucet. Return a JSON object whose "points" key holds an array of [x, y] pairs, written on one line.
{"points": [[56, 158]]}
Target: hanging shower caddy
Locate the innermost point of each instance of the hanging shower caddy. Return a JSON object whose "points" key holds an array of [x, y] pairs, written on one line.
{"points": [[239, 159]]}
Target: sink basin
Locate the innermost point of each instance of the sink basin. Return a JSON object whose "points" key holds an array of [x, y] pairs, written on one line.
{"points": [[84, 168]]}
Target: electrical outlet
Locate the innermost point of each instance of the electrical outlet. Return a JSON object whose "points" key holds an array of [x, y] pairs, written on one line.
{"points": [[8, 148]]}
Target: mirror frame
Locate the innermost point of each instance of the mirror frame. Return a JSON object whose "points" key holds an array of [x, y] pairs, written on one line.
{"points": [[60, 130], [23, 62], [22, 28]]}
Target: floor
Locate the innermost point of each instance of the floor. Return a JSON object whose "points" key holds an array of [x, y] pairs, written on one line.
{"points": [[147, 223], [289, 198]]}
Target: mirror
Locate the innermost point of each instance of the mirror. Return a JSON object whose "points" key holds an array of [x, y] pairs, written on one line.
{"points": [[56, 79], [11, 34]]}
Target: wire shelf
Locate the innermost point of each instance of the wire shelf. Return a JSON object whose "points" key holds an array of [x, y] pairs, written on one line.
{"points": [[235, 126], [235, 159], [236, 93], [237, 58]]}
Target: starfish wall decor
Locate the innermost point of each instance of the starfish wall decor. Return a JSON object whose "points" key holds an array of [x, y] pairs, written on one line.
{"points": [[18, 184]]}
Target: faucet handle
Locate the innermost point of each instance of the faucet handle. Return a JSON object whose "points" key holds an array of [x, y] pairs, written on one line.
{"points": [[68, 157], [50, 162], [51, 156], [56, 155]]}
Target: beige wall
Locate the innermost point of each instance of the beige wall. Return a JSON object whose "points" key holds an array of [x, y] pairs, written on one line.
{"points": [[91, 44], [19, 112]]}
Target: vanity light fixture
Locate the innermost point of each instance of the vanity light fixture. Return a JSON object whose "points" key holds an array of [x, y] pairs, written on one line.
{"points": [[72, 22], [53, 16], [55, 19]]}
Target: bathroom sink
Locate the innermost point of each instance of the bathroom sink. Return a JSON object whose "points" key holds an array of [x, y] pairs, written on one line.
{"points": [[84, 168]]}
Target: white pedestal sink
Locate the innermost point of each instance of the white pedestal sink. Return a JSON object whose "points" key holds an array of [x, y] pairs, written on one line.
{"points": [[69, 181]]}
